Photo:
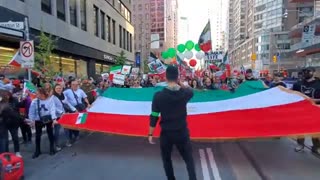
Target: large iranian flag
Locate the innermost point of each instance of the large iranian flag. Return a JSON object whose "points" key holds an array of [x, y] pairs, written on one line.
{"points": [[253, 111]]}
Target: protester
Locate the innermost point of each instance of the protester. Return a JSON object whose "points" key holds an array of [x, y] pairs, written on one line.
{"points": [[43, 112], [208, 84], [13, 129], [278, 81], [171, 103], [62, 106], [88, 87], [8, 119], [24, 106], [78, 99], [249, 75], [310, 86]]}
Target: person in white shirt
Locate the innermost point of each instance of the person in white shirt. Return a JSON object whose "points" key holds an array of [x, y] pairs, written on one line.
{"points": [[75, 96], [43, 113]]}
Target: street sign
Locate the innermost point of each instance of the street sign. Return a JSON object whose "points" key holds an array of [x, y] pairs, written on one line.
{"points": [[27, 54], [13, 25]]}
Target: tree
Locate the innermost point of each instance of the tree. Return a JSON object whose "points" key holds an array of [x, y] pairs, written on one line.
{"points": [[146, 69], [43, 62], [121, 59]]}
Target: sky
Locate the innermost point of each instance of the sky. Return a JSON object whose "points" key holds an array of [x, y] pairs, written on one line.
{"points": [[198, 15]]}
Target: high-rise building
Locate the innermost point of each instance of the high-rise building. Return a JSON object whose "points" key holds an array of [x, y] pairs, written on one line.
{"points": [[89, 34], [230, 26], [152, 18], [265, 30], [218, 14], [240, 37]]}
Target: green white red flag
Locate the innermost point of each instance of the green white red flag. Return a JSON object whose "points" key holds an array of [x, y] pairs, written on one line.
{"points": [[252, 111]]}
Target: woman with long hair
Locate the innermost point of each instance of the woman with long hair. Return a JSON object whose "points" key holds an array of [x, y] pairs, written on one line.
{"points": [[43, 113], [62, 106]]}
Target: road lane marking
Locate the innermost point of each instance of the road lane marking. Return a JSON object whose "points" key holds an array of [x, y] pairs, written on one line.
{"points": [[204, 165], [213, 165]]}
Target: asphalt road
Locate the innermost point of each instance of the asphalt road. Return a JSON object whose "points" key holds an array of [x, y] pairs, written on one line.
{"points": [[105, 157]]}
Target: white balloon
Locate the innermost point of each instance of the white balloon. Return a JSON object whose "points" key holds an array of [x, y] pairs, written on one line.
{"points": [[199, 55], [188, 54], [219, 73], [181, 55]]}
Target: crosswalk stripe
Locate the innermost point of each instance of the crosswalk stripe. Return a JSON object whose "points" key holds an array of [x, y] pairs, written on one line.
{"points": [[213, 165], [204, 165]]}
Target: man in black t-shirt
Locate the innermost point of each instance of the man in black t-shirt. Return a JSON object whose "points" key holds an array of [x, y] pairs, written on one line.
{"points": [[171, 104], [309, 86]]}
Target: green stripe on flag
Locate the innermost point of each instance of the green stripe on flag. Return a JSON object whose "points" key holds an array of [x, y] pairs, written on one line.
{"points": [[155, 114], [82, 118], [146, 94]]}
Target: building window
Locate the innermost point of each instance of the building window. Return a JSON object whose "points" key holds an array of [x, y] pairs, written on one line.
{"points": [[81, 68], [130, 43], [95, 21], [46, 6], [61, 10], [120, 36], [103, 25], [109, 28], [114, 31], [124, 38], [73, 12], [83, 14], [127, 41]]}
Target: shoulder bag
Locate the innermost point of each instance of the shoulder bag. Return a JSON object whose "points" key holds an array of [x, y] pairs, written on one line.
{"points": [[44, 119], [80, 106]]}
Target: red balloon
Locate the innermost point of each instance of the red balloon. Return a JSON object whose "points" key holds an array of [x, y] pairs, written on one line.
{"points": [[228, 66], [193, 62]]}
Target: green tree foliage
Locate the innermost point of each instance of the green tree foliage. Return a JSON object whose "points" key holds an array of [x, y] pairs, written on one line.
{"points": [[121, 59], [146, 69], [43, 62]]}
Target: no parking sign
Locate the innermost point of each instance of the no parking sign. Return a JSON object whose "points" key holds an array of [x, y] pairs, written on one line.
{"points": [[27, 54]]}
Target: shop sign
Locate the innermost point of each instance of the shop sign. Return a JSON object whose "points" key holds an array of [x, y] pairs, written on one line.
{"points": [[108, 58], [13, 25]]}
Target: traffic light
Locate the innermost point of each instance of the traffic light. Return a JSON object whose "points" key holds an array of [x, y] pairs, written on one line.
{"points": [[274, 59], [253, 56]]}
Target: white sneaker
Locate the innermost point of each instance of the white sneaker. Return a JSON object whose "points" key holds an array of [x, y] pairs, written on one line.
{"points": [[68, 144], [18, 154], [299, 148], [58, 148]]}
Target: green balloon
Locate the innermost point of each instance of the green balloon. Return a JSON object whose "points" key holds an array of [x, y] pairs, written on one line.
{"points": [[165, 55], [197, 47], [189, 45], [181, 48], [172, 52]]}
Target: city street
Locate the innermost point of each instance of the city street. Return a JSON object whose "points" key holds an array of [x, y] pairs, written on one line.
{"points": [[105, 157]]}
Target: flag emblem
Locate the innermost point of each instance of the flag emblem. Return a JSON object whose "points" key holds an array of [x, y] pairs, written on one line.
{"points": [[82, 117]]}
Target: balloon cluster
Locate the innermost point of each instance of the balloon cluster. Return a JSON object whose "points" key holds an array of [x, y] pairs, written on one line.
{"points": [[184, 51]]}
